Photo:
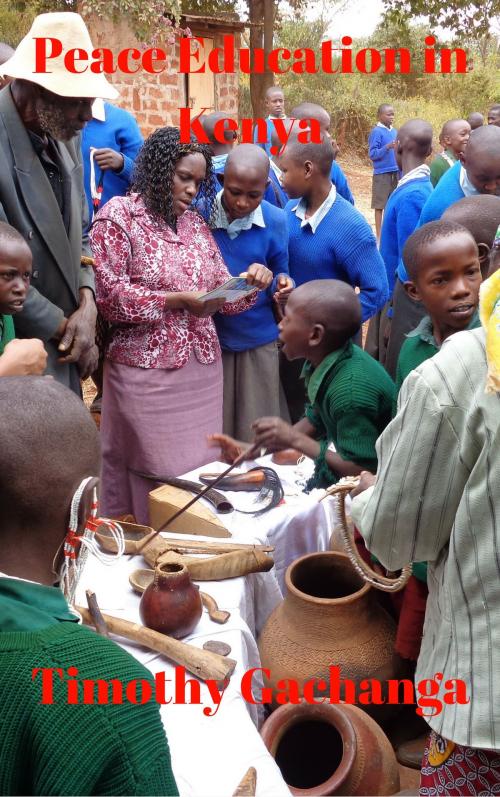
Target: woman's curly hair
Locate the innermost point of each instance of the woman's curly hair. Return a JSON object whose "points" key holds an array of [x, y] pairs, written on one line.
{"points": [[154, 171]]}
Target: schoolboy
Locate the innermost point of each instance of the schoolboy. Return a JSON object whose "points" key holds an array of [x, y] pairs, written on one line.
{"points": [[17, 357], [494, 115], [381, 146], [442, 262], [481, 216], [435, 499], [328, 239], [220, 150], [454, 137], [477, 173], [274, 101], [402, 212], [349, 394], [310, 110], [249, 230], [59, 748], [475, 119]]}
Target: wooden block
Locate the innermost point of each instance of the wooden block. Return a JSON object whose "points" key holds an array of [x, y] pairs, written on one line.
{"points": [[198, 519]]}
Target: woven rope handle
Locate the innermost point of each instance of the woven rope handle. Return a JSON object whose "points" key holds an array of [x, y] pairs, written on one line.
{"points": [[376, 580]]}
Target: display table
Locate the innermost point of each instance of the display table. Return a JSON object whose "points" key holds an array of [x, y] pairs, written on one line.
{"points": [[210, 754]]}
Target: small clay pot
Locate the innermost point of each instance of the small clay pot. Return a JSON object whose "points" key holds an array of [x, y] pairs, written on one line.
{"points": [[172, 603], [288, 456], [330, 749]]}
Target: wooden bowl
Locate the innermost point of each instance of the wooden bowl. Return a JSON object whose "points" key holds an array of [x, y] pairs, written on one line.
{"points": [[133, 533], [141, 579]]}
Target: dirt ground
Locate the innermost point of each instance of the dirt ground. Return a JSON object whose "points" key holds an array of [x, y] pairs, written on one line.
{"points": [[359, 176]]}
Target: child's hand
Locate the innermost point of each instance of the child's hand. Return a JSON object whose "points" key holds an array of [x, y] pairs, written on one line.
{"points": [[280, 297], [366, 480], [273, 434], [230, 449], [23, 357], [259, 275]]}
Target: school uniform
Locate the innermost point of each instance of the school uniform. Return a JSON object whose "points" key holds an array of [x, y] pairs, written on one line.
{"points": [[385, 168], [349, 404], [249, 343]]}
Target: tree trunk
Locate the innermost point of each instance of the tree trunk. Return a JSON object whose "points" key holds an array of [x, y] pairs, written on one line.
{"points": [[261, 14]]}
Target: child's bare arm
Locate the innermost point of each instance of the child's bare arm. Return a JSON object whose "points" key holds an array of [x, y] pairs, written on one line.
{"points": [[275, 434]]}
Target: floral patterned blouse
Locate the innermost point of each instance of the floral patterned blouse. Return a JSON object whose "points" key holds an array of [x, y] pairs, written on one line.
{"points": [[138, 258]]}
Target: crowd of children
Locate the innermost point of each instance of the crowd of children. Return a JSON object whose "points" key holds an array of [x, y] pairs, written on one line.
{"points": [[410, 408]]}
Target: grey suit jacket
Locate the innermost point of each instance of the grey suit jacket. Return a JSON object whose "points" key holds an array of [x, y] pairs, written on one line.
{"points": [[27, 202]]}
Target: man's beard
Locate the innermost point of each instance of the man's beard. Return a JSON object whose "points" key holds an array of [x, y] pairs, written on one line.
{"points": [[52, 120]]}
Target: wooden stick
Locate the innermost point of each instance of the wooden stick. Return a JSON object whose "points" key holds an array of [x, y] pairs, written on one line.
{"points": [[246, 454], [202, 663], [199, 546], [95, 611]]}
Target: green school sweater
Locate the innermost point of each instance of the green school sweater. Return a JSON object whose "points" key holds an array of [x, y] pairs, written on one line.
{"points": [[420, 345], [6, 331], [440, 165], [350, 404], [64, 749]]}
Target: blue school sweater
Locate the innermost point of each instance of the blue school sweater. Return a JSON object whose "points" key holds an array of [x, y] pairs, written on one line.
{"points": [[383, 159], [266, 245], [344, 248], [447, 191], [120, 132], [401, 216], [339, 180]]}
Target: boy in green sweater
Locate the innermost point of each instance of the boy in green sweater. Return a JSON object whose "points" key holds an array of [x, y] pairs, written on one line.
{"points": [[454, 137], [17, 357], [349, 394], [442, 261], [51, 746]]}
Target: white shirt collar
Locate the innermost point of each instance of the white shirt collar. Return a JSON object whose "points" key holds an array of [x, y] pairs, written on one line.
{"points": [[381, 124], [315, 220], [466, 185], [415, 174], [234, 228]]}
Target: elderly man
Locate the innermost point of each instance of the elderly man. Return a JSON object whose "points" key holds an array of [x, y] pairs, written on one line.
{"points": [[41, 192]]}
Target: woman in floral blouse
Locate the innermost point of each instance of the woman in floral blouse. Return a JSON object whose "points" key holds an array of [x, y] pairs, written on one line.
{"points": [[162, 391]]}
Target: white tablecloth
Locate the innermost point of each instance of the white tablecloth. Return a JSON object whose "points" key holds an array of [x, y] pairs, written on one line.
{"points": [[210, 754]]}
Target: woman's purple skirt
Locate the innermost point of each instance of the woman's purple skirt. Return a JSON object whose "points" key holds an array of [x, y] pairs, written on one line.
{"points": [[155, 421]]}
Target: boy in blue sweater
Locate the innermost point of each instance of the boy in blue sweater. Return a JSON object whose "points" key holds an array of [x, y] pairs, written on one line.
{"points": [[310, 110], [328, 239], [477, 173], [413, 146], [381, 146], [115, 136], [249, 230]]}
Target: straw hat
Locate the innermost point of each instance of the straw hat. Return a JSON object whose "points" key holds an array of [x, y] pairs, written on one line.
{"points": [[71, 31]]}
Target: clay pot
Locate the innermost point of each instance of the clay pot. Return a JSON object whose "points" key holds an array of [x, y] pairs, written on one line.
{"points": [[172, 603], [331, 749], [329, 618]]}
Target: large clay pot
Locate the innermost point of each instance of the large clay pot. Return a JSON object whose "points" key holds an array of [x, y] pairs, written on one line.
{"points": [[329, 618], [329, 749], [172, 603]]}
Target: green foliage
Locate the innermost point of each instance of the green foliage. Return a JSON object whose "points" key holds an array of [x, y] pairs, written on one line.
{"points": [[463, 17], [352, 99]]}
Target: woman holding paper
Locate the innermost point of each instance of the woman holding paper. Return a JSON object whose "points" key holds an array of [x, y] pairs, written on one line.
{"points": [[155, 259]]}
